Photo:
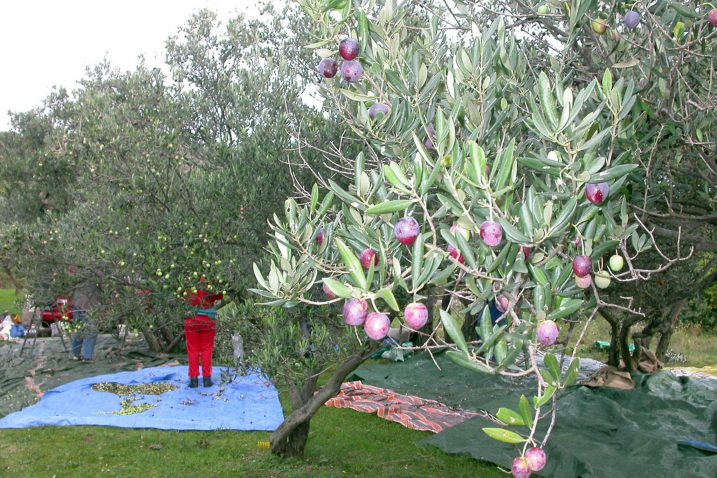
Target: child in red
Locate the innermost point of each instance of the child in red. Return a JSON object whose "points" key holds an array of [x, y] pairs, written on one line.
{"points": [[200, 331]]}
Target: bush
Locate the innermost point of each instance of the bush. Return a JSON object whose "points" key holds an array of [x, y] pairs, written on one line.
{"points": [[702, 311], [244, 318]]}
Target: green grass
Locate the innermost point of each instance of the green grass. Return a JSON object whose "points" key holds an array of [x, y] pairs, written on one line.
{"points": [[699, 348], [7, 301], [341, 443]]}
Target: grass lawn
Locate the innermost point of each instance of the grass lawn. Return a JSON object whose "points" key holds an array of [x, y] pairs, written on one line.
{"points": [[341, 443], [7, 301], [699, 349]]}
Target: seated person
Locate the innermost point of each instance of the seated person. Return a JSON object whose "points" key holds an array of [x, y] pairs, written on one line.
{"points": [[17, 330], [6, 326]]}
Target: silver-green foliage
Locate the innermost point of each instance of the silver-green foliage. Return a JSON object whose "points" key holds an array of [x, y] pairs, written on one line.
{"points": [[508, 143]]}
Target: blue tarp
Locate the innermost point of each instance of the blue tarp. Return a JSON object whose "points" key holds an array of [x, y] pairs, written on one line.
{"points": [[247, 403]]}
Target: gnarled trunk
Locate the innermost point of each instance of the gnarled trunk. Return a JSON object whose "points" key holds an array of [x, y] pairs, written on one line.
{"points": [[293, 442], [289, 440], [162, 342], [663, 325], [152, 340], [623, 334], [14, 281], [674, 318], [614, 352]]}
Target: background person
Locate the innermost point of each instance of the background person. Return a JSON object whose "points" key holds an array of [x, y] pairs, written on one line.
{"points": [[200, 330], [85, 302], [6, 326], [18, 331]]}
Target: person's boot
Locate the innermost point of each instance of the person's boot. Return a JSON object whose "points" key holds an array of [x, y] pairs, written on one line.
{"points": [[193, 382], [208, 381]]}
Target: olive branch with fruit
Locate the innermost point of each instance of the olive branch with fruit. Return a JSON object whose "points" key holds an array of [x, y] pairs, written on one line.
{"points": [[483, 180]]}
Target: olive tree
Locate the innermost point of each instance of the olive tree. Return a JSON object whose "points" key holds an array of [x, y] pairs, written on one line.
{"points": [[164, 179], [483, 178]]}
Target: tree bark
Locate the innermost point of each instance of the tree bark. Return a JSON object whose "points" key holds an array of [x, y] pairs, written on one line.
{"points": [[625, 327], [165, 333], [644, 338], [152, 341], [289, 440], [469, 327], [175, 341], [10, 276], [614, 352], [667, 332]]}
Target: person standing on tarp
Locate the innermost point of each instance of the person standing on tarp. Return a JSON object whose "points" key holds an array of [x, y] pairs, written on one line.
{"points": [[200, 329], [86, 299]]}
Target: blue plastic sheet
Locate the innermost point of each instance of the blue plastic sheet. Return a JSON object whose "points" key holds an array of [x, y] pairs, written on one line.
{"points": [[248, 402]]}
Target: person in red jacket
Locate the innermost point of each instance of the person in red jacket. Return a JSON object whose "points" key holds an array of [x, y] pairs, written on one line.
{"points": [[200, 329]]}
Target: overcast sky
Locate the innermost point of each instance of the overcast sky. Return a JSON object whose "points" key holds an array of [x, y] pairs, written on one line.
{"points": [[44, 43]]}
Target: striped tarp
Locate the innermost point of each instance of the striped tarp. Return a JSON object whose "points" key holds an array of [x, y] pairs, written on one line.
{"points": [[408, 410]]}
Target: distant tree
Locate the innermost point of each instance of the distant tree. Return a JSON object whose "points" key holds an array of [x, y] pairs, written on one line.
{"points": [[165, 179]]}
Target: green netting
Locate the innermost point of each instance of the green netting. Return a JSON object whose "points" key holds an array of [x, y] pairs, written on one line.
{"points": [[599, 432], [452, 385], [23, 378]]}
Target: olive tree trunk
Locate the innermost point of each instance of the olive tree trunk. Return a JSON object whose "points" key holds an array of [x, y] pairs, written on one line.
{"points": [[614, 352], [12, 278], [162, 342], [623, 337], [152, 340], [674, 318], [289, 440]]}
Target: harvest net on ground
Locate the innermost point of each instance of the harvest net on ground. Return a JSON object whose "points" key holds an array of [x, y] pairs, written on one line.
{"points": [[127, 387], [666, 423], [24, 379]]}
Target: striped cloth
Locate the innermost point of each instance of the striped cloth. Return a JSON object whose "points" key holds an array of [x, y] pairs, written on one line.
{"points": [[410, 411]]}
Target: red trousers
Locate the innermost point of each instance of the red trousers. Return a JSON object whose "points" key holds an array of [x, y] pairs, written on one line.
{"points": [[200, 332]]}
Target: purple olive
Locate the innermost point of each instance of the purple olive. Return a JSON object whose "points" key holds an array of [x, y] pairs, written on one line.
{"points": [[328, 67], [536, 458], [456, 254], [597, 193], [351, 71], [348, 49], [378, 109], [355, 311], [320, 236], [491, 233], [428, 142], [327, 290], [582, 265], [547, 332], [406, 230], [632, 19], [377, 325], [416, 315], [520, 468], [367, 257]]}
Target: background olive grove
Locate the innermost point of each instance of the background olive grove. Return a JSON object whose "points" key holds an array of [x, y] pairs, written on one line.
{"points": [[153, 180]]}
